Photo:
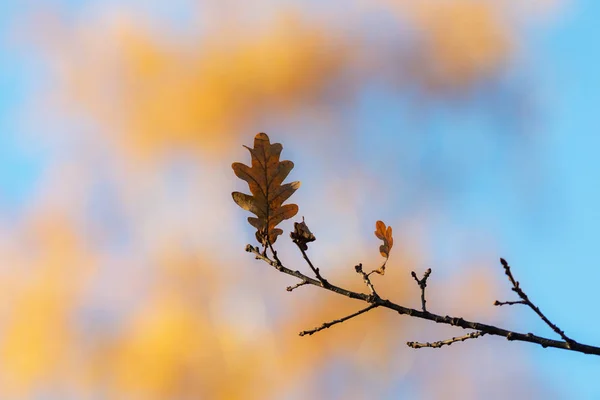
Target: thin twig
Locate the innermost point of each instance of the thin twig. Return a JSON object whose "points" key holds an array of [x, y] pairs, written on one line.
{"points": [[447, 342], [324, 282], [278, 266], [367, 280], [517, 289], [337, 321], [290, 288], [422, 284], [508, 303], [448, 320], [275, 257]]}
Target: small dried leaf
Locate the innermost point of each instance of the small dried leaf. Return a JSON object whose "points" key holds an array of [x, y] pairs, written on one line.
{"points": [[302, 235], [384, 233], [265, 178]]}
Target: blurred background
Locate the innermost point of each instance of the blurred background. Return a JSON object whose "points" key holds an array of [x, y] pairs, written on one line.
{"points": [[466, 125]]}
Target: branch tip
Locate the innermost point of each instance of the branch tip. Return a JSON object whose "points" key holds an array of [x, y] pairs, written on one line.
{"points": [[290, 288], [447, 342], [525, 300], [422, 284], [326, 325]]}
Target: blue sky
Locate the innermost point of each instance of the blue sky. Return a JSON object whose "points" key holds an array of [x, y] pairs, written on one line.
{"points": [[539, 197], [569, 62], [20, 167]]}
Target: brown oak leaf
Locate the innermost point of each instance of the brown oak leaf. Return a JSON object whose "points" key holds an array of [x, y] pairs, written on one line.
{"points": [[384, 234], [265, 178]]}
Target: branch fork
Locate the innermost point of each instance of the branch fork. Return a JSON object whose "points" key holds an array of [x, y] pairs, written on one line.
{"points": [[525, 300], [422, 284]]}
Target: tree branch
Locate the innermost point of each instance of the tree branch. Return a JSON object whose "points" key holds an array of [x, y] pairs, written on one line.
{"points": [[508, 303], [338, 321], [323, 281], [367, 280], [422, 284], [517, 289], [297, 285], [447, 342], [454, 321]]}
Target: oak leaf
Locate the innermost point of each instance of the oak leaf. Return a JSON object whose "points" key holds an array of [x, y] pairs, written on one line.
{"points": [[265, 178], [384, 233]]}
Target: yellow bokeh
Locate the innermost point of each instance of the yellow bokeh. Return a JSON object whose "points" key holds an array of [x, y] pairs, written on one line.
{"points": [[153, 96]]}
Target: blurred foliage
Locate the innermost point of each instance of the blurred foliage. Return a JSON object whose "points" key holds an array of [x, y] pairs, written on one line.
{"points": [[463, 42], [110, 290], [154, 94]]}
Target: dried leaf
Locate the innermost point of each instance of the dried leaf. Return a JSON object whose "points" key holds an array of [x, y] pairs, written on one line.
{"points": [[302, 235], [384, 233], [265, 179]]}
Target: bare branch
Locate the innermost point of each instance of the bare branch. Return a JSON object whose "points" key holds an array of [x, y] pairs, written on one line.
{"points": [[517, 289], [323, 281], [448, 320], [508, 303], [301, 276], [422, 284], [447, 342], [297, 285], [337, 321], [359, 270], [268, 245]]}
